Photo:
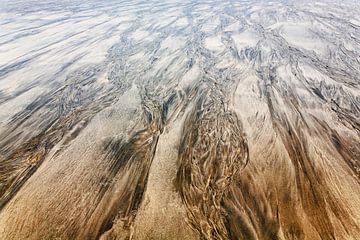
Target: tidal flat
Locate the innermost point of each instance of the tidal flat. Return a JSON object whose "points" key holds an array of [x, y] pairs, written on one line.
{"points": [[235, 119]]}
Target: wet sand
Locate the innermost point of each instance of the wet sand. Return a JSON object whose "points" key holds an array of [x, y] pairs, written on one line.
{"points": [[179, 120]]}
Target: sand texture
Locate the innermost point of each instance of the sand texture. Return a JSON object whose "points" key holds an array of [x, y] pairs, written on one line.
{"points": [[236, 119]]}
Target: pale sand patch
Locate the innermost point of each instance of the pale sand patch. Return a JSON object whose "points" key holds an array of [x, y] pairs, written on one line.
{"points": [[355, 22], [227, 62], [162, 210], [173, 43], [190, 77], [140, 35], [138, 56], [298, 35], [103, 78], [181, 22], [211, 24], [97, 51], [214, 43], [245, 39], [232, 27], [350, 47]]}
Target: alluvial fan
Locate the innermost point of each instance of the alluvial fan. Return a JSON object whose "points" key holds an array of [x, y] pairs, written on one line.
{"points": [[235, 119]]}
